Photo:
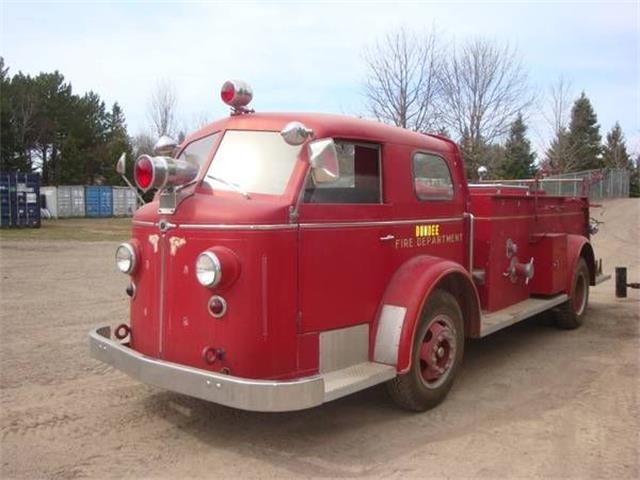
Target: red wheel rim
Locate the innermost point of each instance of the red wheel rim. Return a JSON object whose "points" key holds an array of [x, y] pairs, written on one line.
{"points": [[437, 351]]}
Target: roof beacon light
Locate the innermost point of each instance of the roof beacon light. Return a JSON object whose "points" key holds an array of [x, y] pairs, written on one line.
{"points": [[237, 94]]}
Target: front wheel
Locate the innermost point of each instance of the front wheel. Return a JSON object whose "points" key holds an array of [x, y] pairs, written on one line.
{"points": [[571, 314], [438, 348]]}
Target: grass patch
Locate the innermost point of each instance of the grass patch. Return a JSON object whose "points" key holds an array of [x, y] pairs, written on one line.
{"points": [[79, 229]]}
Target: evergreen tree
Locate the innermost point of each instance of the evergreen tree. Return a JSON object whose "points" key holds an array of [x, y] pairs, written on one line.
{"points": [[478, 154], [118, 142], [634, 180], [615, 150], [45, 127], [7, 133], [472, 151], [558, 156], [518, 158], [584, 137]]}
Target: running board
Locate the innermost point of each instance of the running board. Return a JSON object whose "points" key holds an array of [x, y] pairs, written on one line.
{"points": [[346, 381], [492, 322]]}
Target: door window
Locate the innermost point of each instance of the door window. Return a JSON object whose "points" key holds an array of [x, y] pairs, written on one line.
{"points": [[359, 180]]}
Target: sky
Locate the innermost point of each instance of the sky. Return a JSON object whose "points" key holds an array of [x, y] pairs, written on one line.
{"points": [[308, 56]]}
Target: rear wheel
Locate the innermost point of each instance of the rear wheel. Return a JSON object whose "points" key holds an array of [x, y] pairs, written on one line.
{"points": [[571, 314], [437, 352]]}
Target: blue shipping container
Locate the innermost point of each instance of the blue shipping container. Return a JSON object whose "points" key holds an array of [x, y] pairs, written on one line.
{"points": [[98, 201], [20, 200]]}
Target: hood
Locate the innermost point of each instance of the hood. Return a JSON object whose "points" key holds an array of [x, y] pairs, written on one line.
{"points": [[228, 209]]}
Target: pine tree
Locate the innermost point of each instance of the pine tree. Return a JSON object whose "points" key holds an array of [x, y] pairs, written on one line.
{"points": [[518, 159], [615, 153], [634, 180], [584, 136], [558, 156], [472, 152], [118, 142]]}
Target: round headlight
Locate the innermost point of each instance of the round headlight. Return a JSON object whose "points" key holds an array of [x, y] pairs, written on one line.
{"points": [[208, 269], [125, 258]]}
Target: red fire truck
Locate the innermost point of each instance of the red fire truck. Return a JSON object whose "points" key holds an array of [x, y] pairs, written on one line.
{"points": [[291, 259]]}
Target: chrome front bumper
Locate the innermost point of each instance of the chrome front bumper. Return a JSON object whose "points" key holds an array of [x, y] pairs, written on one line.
{"points": [[242, 393]]}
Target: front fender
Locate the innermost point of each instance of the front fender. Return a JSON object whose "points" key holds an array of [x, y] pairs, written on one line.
{"points": [[403, 300]]}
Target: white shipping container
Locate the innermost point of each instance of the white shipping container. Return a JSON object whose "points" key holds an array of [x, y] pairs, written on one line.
{"points": [[71, 201], [51, 199], [125, 202]]}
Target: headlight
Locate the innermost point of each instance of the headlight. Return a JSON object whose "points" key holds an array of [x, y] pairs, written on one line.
{"points": [[125, 258], [208, 269]]}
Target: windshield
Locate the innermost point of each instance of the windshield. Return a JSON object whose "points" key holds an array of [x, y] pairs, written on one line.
{"points": [[251, 161], [197, 152]]}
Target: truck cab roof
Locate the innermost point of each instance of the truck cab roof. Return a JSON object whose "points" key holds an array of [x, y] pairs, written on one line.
{"points": [[328, 125]]}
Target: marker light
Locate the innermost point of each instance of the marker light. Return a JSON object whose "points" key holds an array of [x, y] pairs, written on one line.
{"points": [[217, 306], [236, 93]]}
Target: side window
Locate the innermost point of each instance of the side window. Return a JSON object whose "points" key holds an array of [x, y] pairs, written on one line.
{"points": [[431, 177], [359, 180]]}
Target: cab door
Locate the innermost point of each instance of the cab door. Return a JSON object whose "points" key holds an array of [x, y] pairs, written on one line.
{"points": [[343, 254]]}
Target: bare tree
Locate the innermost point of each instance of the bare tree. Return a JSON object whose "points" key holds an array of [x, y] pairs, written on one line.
{"points": [[198, 120], [401, 81], [484, 87], [142, 143], [162, 109], [558, 155], [559, 108]]}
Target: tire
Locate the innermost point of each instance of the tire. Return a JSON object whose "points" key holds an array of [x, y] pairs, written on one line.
{"points": [[440, 337], [571, 314]]}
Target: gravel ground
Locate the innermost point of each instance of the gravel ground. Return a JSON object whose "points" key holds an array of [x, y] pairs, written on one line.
{"points": [[530, 401]]}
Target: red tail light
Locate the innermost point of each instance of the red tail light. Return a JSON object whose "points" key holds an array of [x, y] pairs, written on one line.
{"points": [[143, 172]]}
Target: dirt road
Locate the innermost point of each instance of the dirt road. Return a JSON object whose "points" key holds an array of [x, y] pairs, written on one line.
{"points": [[530, 401]]}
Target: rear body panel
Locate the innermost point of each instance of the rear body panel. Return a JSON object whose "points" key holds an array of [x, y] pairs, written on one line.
{"points": [[525, 219]]}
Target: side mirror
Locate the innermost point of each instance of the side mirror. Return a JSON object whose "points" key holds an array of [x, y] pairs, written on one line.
{"points": [[121, 164], [323, 158], [165, 146]]}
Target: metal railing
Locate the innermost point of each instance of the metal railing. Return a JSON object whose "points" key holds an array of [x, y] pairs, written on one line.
{"points": [[596, 184]]}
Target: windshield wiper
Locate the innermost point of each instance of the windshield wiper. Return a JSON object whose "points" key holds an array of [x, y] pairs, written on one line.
{"points": [[234, 186]]}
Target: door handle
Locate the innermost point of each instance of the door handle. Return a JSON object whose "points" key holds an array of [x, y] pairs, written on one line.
{"points": [[386, 238]]}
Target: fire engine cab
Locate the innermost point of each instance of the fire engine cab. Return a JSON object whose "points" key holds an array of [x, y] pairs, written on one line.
{"points": [[290, 259]]}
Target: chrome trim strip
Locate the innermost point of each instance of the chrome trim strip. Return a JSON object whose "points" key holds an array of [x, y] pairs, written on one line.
{"points": [[520, 217], [380, 222], [497, 185], [243, 393], [290, 226], [161, 300], [143, 223], [200, 226], [471, 239]]}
